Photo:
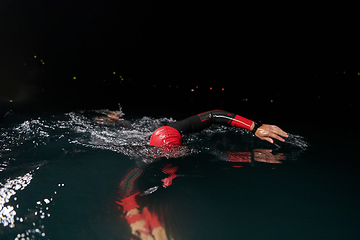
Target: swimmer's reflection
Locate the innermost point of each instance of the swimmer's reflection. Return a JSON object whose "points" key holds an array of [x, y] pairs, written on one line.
{"points": [[258, 155], [147, 224]]}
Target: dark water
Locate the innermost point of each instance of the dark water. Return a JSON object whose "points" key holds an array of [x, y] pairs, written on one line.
{"points": [[60, 175]]}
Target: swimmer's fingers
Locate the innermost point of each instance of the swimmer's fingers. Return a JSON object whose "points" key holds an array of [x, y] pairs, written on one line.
{"points": [[279, 131], [269, 132], [275, 136], [270, 140]]}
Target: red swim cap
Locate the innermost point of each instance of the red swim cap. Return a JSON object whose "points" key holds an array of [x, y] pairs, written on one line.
{"points": [[166, 136]]}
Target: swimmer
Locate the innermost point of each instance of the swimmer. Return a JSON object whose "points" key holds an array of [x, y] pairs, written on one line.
{"points": [[146, 225], [172, 135]]}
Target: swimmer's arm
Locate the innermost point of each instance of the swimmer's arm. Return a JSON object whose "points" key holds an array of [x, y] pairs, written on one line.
{"points": [[264, 132], [269, 133], [204, 120]]}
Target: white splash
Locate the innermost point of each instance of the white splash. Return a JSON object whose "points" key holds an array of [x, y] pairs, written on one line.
{"points": [[7, 212]]}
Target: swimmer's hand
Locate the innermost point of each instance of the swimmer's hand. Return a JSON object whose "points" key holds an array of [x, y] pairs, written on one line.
{"points": [[269, 133]]}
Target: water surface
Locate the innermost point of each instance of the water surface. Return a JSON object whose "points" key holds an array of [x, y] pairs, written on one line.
{"points": [[60, 176]]}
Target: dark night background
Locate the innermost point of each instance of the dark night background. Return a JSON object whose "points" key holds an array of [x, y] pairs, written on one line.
{"points": [[294, 64], [93, 54]]}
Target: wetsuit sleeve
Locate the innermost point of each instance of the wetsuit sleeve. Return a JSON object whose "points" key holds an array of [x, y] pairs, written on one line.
{"points": [[204, 120]]}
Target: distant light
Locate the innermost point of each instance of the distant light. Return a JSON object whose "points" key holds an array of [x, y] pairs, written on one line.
{"points": [[271, 101], [223, 89], [192, 90], [34, 56], [358, 73], [10, 100], [115, 73], [344, 72], [74, 78], [154, 85], [197, 87], [210, 88], [169, 86]]}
